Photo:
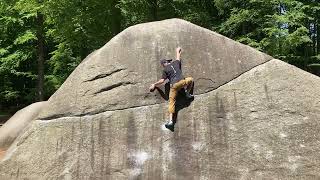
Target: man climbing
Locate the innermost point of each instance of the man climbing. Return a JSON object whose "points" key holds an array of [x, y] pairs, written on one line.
{"points": [[172, 71]]}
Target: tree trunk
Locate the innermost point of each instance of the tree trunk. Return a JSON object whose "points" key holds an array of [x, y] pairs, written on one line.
{"points": [[41, 54], [116, 18], [317, 31], [314, 39], [154, 10]]}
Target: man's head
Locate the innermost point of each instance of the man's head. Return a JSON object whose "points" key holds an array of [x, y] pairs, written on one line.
{"points": [[165, 62]]}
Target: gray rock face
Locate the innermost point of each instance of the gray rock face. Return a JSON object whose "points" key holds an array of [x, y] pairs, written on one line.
{"points": [[259, 120], [118, 75], [20, 120]]}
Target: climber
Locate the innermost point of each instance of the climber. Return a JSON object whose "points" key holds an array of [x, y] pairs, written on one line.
{"points": [[172, 71]]}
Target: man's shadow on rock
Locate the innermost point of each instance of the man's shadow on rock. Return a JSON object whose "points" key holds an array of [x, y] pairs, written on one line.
{"points": [[181, 100]]}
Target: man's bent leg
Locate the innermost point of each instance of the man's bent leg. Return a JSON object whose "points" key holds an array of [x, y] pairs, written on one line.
{"points": [[172, 100], [186, 83], [189, 82], [177, 86]]}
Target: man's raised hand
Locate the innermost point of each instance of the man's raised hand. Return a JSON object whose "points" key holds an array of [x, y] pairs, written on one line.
{"points": [[179, 50]]}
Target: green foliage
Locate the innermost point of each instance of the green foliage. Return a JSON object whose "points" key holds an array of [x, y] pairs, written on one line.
{"points": [[280, 28], [17, 54], [286, 29], [62, 69], [25, 37]]}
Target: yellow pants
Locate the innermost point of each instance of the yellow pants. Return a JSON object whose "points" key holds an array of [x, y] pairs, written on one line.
{"points": [[175, 89]]}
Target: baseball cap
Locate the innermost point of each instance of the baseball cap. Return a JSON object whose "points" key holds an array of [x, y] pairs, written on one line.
{"points": [[162, 61]]}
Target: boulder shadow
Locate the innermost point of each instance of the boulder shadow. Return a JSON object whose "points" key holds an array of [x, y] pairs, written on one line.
{"points": [[181, 100]]}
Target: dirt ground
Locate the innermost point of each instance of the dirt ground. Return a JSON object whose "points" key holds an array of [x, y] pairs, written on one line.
{"points": [[2, 152]]}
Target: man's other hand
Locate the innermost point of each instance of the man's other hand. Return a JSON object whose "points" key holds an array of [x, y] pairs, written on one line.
{"points": [[152, 87]]}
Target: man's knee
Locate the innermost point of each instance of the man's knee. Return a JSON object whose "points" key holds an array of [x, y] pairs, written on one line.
{"points": [[189, 80]]}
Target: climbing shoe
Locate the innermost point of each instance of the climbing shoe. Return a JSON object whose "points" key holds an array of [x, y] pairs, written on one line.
{"points": [[188, 95], [169, 125]]}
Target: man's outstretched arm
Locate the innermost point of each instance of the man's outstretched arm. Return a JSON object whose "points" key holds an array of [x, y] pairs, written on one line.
{"points": [[158, 83]]}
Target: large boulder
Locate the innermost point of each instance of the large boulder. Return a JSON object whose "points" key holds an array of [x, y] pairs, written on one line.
{"points": [[118, 75], [16, 124], [254, 117]]}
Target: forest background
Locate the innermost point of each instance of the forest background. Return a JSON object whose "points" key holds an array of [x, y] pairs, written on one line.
{"points": [[42, 41]]}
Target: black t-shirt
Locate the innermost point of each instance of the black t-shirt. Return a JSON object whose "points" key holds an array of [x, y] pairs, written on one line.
{"points": [[173, 72]]}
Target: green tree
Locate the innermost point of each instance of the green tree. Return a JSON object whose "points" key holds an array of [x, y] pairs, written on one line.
{"points": [[279, 28], [42, 41], [18, 70]]}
